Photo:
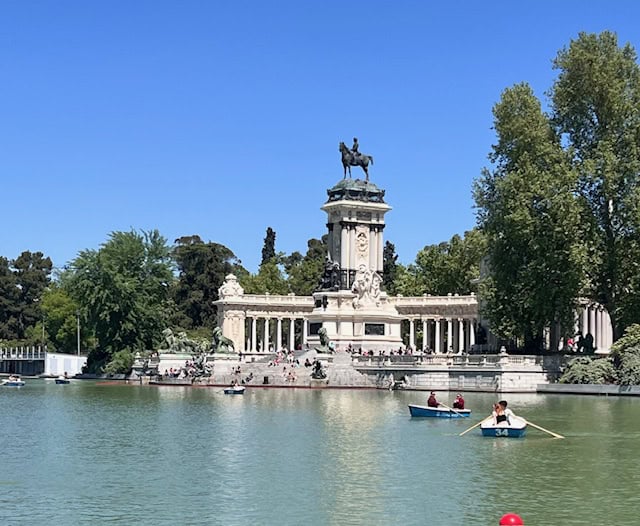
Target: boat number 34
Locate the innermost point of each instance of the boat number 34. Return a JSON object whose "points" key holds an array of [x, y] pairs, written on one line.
{"points": [[502, 432]]}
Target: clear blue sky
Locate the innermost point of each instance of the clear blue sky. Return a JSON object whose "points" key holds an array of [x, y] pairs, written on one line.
{"points": [[221, 118]]}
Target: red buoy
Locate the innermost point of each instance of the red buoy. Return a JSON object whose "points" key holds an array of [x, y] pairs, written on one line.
{"points": [[511, 519]]}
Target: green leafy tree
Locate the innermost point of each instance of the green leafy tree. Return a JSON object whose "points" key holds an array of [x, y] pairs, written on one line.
{"points": [[585, 370], [269, 247], [529, 215], [202, 270], [596, 108], [60, 318], [304, 272], [269, 278], [32, 273], [123, 292], [389, 267], [448, 267], [9, 294]]}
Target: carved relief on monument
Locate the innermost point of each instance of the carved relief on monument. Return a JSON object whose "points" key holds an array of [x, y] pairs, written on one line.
{"points": [[366, 287], [230, 287], [362, 245]]}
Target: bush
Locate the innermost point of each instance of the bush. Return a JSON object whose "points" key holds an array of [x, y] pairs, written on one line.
{"points": [[121, 363], [585, 370], [626, 356]]}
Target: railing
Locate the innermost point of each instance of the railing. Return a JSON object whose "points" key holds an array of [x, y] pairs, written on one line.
{"points": [[473, 360], [23, 353]]}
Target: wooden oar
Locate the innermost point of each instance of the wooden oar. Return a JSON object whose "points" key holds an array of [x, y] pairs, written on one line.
{"points": [[451, 409], [555, 435], [475, 425]]}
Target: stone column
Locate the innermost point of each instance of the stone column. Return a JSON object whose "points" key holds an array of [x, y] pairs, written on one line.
{"points": [[449, 334], [373, 258], [425, 334], [585, 321], [254, 334], [412, 334], [266, 335], [380, 248], [460, 335], [600, 327], [592, 321], [472, 333], [344, 246], [278, 344], [292, 334], [352, 248], [305, 330], [438, 336]]}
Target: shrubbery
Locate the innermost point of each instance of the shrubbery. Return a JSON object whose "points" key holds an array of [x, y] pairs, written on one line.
{"points": [[621, 367]]}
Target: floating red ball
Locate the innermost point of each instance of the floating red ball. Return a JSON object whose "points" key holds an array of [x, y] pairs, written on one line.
{"points": [[511, 519]]}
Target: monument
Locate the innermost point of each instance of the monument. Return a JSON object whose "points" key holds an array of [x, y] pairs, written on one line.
{"points": [[350, 305]]}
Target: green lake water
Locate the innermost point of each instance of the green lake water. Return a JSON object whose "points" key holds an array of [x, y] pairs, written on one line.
{"points": [[90, 453]]}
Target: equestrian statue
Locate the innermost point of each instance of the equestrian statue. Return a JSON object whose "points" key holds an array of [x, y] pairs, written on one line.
{"points": [[352, 157]]}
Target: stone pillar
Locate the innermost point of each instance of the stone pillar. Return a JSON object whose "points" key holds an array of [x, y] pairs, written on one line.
{"points": [[449, 334], [254, 334], [344, 245], [380, 249], [412, 333], [472, 333], [460, 335], [585, 321], [266, 335], [425, 334], [352, 248], [292, 334], [438, 337], [373, 259], [278, 344], [592, 321], [305, 330]]}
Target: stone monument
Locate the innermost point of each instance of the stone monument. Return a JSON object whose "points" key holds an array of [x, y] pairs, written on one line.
{"points": [[350, 304]]}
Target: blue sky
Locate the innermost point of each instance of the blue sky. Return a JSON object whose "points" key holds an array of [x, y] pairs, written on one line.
{"points": [[223, 118]]}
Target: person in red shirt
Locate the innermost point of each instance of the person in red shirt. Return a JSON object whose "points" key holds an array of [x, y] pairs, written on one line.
{"points": [[432, 402], [459, 402]]}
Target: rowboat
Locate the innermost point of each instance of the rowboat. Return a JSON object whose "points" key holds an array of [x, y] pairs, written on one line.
{"points": [[515, 428], [13, 381], [235, 390], [438, 412], [62, 381]]}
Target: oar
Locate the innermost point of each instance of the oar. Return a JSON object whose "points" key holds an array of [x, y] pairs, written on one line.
{"points": [[555, 435], [451, 409], [475, 425]]}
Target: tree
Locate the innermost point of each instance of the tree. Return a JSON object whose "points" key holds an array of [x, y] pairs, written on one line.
{"points": [[60, 317], [9, 293], [23, 280], [389, 267], [448, 267], [268, 279], [304, 272], [529, 215], [123, 293], [269, 247], [596, 108], [202, 270]]}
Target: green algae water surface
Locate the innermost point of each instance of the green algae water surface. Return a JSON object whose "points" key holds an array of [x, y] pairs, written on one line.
{"points": [[91, 453]]}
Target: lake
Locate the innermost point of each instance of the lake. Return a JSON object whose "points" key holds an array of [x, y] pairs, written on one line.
{"points": [[96, 453]]}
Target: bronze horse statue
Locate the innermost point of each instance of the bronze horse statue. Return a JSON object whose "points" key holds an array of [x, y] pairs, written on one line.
{"points": [[350, 159]]}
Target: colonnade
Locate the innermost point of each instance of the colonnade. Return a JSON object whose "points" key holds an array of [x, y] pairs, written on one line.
{"points": [[594, 319], [270, 341], [443, 335]]}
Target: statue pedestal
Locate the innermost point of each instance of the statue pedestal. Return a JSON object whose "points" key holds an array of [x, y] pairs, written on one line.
{"points": [[369, 326]]}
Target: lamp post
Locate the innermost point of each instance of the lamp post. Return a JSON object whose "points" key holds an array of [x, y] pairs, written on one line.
{"points": [[78, 329]]}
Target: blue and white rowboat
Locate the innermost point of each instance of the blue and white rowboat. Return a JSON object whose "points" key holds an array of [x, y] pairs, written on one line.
{"points": [[516, 428], [438, 412], [237, 390]]}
